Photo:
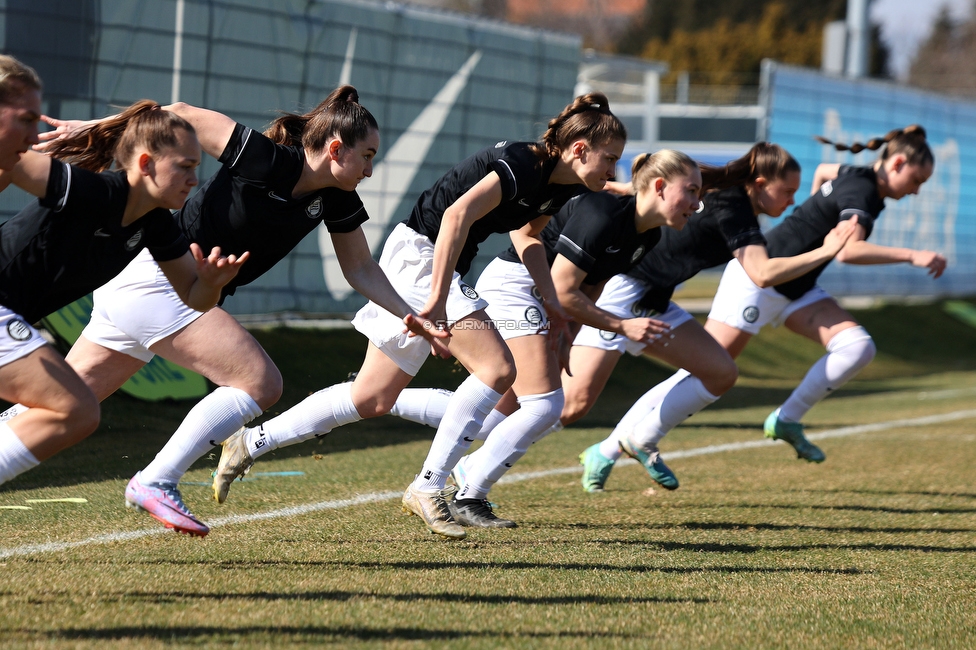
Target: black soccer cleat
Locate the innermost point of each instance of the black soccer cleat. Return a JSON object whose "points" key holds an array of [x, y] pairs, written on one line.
{"points": [[477, 513]]}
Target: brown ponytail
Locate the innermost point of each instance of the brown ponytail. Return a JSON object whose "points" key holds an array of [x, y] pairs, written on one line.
{"points": [[15, 79], [339, 115], [587, 118], [116, 138], [764, 159], [909, 141]]}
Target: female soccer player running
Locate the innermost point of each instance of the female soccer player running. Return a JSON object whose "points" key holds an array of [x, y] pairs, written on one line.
{"points": [[763, 181], [84, 230], [594, 237], [272, 190], [499, 189], [742, 306]]}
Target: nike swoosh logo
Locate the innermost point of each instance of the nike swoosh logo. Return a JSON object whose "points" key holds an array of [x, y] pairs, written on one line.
{"points": [[523, 202], [611, 249], [276, 197], [469, 439], [396, 171], [101, 233]]}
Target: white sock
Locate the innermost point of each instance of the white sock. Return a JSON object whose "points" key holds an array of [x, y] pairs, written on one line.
{"points": [[12, 412], [422, 405], [465, 414], [610, 448], [556, 428], [685, 398], [313, 417], [493, 420], [15, 458], [209, 423], [509, 442], [847, 353]]}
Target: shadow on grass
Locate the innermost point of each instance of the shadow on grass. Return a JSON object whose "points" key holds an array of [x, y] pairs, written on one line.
{"points": [[279, 633], [343, 596], [851, 508], [749, 527]]}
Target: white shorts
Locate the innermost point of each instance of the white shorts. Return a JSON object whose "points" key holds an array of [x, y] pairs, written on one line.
{"points": [[136, 309], [742, 304], [408, 261], [621, 297], [17, 337], [514, 303]]}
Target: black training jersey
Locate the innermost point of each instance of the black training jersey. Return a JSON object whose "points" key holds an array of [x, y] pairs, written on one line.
{"points": [[854, 193], [596, 232], [248, 205], [724, 224], [526, 194], [72, 241]]}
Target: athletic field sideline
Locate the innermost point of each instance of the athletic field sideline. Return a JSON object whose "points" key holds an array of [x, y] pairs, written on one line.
{"points": [[876, 547]]}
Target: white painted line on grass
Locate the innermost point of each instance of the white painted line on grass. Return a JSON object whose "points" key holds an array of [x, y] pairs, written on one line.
{"points": [[378, 497]]}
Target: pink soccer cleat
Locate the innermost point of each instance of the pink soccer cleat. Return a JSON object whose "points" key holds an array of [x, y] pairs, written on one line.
{"points": [[164, 503]]}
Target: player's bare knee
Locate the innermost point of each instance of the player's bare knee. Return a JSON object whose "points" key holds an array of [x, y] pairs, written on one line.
{"points": [[82, 416], [269, 391], [576, 407]]}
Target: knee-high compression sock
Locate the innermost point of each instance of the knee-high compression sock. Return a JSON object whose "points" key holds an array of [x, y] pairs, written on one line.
{"points": [[510, 441], [209, 423], [610, 448], [427, 406], [464, 417], [422, 405], [15, 457], [685, 398], [847, 353], [314, 416]]}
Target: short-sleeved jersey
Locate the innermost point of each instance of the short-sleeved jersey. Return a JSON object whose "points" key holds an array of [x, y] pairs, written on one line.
{"points": [[596, 231], [526, 195], [854, 193], [72, 241], [724, 224], [248, 205]]}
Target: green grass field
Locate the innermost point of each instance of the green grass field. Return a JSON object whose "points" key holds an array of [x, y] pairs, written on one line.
{"points": [[874, 548]]}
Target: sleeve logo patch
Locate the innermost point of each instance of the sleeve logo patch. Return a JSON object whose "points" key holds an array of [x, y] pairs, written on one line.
{"points": [[314, 209], [637, 254], [133, 242], [827, 188], [750, 314]]}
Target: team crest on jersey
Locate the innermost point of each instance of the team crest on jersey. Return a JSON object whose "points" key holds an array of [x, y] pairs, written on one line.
{"points": [[607, 335], [637, 310], [545, 206], [314, 209], [637, 254], [750, 314], [133, 242], [534, 316], [19, 330], [469, 291], [827, 188]]}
